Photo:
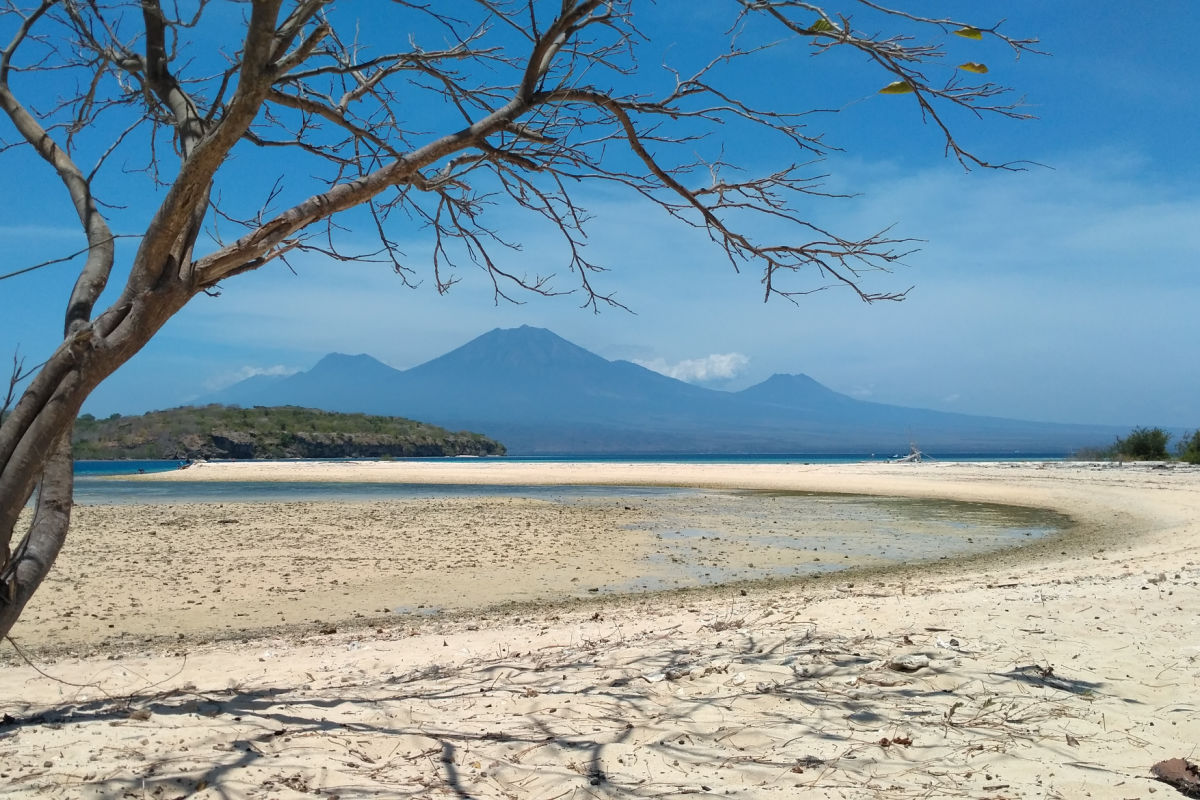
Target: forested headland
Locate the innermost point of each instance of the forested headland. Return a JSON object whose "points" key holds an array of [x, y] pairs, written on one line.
{"points": [[269, 432]]}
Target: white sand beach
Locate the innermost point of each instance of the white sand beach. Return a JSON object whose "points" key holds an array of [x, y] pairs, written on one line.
{"points": [[1062, 669]]}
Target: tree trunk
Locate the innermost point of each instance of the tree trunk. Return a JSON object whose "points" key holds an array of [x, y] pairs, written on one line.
{"points": [[46, 413], [32, 559]]}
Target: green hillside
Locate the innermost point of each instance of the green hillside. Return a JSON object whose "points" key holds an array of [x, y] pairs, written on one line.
{"points": [[217, 431]]}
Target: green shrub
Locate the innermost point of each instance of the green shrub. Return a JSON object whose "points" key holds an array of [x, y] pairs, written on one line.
{"points": [[1189, 448], [1143, 444]]}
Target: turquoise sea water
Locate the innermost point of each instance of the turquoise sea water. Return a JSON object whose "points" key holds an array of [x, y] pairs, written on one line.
{"points": [[98, 482], [95, 469]]}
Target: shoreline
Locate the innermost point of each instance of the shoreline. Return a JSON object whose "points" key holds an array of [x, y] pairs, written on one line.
{"points": [[499, 471], [362, 561], [458, 588], [1062, 669], [1057, 487]]}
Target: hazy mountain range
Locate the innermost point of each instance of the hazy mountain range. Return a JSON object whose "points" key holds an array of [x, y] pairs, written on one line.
{"points": [[538, 393]]}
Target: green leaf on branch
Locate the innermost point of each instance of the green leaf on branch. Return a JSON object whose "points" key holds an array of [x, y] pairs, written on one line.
{"points": [[969, 33], [822, 25], [897, 87], [974, 66]]}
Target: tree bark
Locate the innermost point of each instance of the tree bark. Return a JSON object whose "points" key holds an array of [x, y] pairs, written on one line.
{"points": [[41, 452], [33, 558]]}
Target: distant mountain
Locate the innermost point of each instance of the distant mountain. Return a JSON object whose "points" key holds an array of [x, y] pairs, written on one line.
{"points": [[797, 393], [538, 393], [336, 383]]}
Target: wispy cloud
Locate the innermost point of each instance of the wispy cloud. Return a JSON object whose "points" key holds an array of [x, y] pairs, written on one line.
{"points": [[1032, 291], [244, 372], [714, 367]]}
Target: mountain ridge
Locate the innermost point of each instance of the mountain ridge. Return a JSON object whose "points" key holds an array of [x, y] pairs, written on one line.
{"points": [[540, 393]]}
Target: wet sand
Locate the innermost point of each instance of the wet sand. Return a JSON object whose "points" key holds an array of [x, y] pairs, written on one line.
{"points": [[237, 570]]}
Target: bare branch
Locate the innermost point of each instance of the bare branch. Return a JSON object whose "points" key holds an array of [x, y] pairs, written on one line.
{"points": [[59, 260], [94, 275], [514, 103], [17, 375], [899, 56]]}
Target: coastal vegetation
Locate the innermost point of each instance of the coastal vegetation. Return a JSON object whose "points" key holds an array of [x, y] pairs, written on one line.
{"points": [[217, 431], [1189, 448], [1145, 444]]}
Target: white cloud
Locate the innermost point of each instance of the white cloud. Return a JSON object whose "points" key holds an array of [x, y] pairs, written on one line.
{"points": [[1032, 289], [715, 367], [242, 373]]}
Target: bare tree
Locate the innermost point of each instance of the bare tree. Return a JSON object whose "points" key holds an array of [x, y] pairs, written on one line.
{"points": [[488, 101]]}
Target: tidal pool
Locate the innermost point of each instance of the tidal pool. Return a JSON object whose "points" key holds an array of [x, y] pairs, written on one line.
{"points": [[713, 537]]}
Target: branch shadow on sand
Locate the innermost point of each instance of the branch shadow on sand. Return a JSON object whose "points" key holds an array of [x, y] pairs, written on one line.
{"points": [[743, 706]]}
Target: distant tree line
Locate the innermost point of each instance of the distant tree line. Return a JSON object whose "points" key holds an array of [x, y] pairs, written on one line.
{"points": [[1146, 444]]}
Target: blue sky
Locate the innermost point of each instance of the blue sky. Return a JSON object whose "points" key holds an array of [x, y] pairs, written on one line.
{"points": [[1065, 292]]}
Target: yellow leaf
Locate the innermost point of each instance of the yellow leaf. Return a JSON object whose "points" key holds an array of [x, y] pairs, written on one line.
{"points": [[969, 33], [897, 87], [974, 66], [822, 25]]}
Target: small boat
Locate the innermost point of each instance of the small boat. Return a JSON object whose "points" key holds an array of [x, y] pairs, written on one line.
{"points": [[914, 456]]}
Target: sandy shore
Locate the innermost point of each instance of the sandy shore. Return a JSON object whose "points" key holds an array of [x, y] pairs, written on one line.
{"points": [[221, 570], [1064, 669]]}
